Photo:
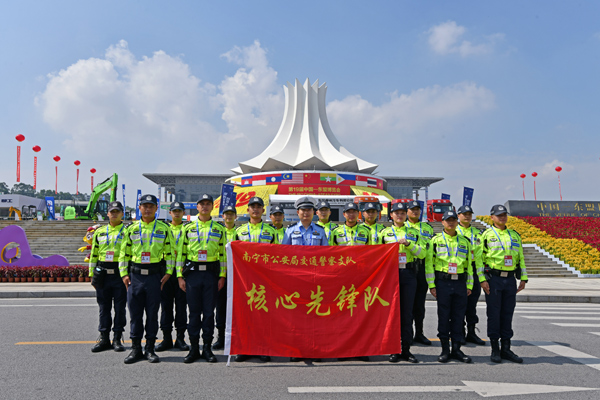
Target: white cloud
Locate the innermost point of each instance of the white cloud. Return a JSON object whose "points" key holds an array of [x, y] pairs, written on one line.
{"points": [[445, 38]]}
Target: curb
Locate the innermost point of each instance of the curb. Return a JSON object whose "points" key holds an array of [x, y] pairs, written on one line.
{"points": [[48, 294]]}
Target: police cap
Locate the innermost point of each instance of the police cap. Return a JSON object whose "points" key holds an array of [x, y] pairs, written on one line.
{"points": [[115, 205], [177, 205], [398, 206], [149, 199], [464, 209], [350, 206], [371, 206], [323, 204], [276, 209], [498, 209], [256, 200], [413, 204], [305, 202], [449, 214], [229, 209], [205, 197]]}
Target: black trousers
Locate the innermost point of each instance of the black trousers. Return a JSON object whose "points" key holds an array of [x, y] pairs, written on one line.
{"points": [[408, 286], [451, 306], [201, 292], [420, 295], [501, 304], [471, 314], [143, 295], [172, 295], [112, 290], [222, 307]]}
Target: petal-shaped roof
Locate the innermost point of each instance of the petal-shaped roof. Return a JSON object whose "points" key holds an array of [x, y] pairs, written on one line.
{"points": [[305, 140]]}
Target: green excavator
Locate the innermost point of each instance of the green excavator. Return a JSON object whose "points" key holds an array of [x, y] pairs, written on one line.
{"points": [[96, 206]]}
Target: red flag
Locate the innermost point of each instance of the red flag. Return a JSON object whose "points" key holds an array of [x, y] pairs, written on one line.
{"points": [[18, 163], [56, 181], [313, 302]]}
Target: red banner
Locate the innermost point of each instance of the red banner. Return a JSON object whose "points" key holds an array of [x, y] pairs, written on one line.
{"points": [[18, 163], [314, 190], [56, 181], [34, 173], [77, 183], [92, 183], [313, 302]]}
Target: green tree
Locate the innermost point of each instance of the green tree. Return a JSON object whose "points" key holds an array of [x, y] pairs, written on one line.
{"points": [[4, 188], [23, 189]]}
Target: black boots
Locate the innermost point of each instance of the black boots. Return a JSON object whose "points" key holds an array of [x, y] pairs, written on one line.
{"points": [[194, 353], [103, 342], [419, 337], [220, 343], [150, 354], [495, 357], [180, 341], [457, 354], [472, 336], [167, 342], [136, 352], [507, 354], [405, 356], [445, 356], [117, 343], [207, 353]]}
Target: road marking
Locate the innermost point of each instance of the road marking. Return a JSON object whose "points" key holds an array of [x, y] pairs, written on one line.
{"points": [[484, 389], [575, 355], [595, 333], [559, 317], [65, 342], [576, 325], [48, 305]]}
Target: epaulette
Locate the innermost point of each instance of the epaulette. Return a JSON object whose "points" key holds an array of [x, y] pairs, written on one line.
{"points": [[516, 232], [481, 231], [127, 226], [186, 222], [427, 223], [294, 224], [221, 223]]}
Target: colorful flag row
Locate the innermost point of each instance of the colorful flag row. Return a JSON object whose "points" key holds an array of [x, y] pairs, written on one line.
{"points": [[302, 178]]}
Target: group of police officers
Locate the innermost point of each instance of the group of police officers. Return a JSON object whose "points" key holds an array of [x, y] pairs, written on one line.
{"points": [[151, 265]]}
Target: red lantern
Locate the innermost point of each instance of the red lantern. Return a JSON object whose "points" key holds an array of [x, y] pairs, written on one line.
{"points": [[558, 169], [523, 176], [36, 149], [93, 171], [19, 138], [77, 162], [534, 174], [56, 158]]}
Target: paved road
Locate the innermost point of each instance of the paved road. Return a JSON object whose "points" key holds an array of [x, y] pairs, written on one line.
{"points": [[70, 370]]}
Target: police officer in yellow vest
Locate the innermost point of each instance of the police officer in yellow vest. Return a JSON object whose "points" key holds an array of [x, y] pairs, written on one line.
{"points": [[449, 274], [172, 295], [104, 270], [465, 216], [351, 233], [201, 272], [425, 235], [501, 264], [277, 223], [324, 213], [146, 253], [229, 216], [410, 250], [255, 231], [370, 216]]}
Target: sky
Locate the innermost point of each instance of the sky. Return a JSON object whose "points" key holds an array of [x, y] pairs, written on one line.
{"points": [[475, 92]]}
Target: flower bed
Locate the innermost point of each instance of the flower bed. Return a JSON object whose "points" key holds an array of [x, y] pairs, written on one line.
{"points": [[576, 253], [73, 273], [585, 229]]}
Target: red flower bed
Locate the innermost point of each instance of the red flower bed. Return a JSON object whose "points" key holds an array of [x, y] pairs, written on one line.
{"points": [[582, 228]]}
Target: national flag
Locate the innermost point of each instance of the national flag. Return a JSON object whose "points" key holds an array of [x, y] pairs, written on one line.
{"points": [[246, 180], [292, 179], [361, 180], [273, 178], [259, 181], [312, 178], [329, 178], [371, 182], [348, 179]]}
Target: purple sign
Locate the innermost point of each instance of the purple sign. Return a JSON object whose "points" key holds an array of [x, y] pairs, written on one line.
{"points": [[15, 251]]}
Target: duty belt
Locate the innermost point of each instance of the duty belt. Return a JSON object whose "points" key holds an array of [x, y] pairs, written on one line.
{"points": [[111, 268], [411, 265], [502, 274], [450, 277], [211, 266], [146, 269]]}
